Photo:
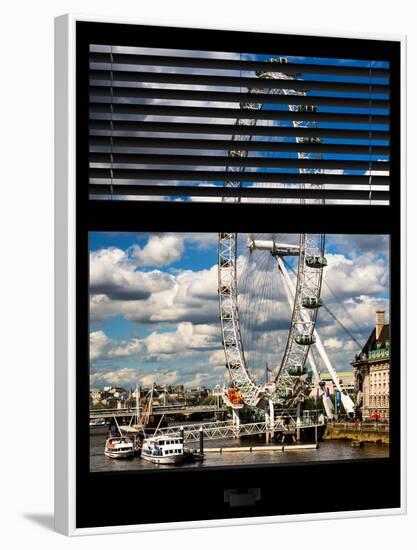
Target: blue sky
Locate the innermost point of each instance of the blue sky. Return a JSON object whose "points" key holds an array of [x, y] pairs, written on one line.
{"points": [[154, 308]]}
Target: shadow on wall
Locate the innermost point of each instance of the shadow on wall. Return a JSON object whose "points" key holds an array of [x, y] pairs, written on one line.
{"points": [[44, 520]]}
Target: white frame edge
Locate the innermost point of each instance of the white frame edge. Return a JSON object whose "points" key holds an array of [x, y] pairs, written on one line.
{"points": [[65, 296]]}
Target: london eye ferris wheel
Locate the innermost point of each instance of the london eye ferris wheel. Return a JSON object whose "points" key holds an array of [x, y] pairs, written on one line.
{"points": [[269, 289]]}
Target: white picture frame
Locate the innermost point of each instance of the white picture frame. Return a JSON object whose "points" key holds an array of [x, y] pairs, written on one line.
{"points": [[65, 292]]}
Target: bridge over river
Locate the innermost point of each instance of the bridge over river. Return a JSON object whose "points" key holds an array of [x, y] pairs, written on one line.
{"points": [[169, 410]]}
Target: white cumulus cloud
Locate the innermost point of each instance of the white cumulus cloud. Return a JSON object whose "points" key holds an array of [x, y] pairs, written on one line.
{"points": [[159, 250]]}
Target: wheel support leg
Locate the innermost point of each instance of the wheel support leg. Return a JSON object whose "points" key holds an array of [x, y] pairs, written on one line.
{"points": [[236, 421]]}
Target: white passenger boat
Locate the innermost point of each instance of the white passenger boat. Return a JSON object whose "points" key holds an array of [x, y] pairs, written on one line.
{"points": [[163, 449], [99, 426], [119, 447]]}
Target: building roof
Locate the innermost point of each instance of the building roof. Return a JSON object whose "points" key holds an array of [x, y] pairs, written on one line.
{"points": [[375, 350], [371, 343]]}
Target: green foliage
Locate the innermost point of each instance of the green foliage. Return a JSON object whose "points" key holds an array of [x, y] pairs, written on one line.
{"points": [[99, 406]]}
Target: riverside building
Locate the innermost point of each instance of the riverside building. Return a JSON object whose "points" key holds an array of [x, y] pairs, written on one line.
{"points": [[372, 372]]}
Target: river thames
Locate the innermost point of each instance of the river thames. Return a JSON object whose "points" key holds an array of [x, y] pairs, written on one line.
{"points": [[327, 450]]}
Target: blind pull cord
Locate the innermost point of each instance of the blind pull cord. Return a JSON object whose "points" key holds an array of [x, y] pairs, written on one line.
{"points": [[111, 125]]}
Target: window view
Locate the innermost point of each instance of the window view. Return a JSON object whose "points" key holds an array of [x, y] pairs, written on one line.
{"points": [[219, 349]]}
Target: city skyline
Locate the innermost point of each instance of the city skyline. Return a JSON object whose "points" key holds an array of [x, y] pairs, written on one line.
{"points": [[154, 306]]}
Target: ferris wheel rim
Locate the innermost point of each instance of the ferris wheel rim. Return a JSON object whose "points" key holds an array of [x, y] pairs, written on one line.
{"points": [[231, 321]]}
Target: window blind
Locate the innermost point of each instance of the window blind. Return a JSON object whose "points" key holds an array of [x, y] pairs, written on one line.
{"points": [[242, 127]]}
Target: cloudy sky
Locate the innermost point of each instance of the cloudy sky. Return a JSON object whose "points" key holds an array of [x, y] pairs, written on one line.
{"points": [[154, 307]]}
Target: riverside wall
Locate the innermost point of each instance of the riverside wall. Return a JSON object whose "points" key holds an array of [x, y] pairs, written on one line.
{"points": [[357, 432]]}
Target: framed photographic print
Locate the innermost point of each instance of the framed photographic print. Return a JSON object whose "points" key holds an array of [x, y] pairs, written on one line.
{"points": [[229, 276]]}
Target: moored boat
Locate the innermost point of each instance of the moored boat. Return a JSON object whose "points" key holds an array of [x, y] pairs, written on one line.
{"points": [[163, 449], [119, 447]]}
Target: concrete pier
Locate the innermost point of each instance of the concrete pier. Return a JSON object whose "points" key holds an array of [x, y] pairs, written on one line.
{"points": [[279, 448]]}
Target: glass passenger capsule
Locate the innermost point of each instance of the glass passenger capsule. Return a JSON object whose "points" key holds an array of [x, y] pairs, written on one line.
{"points": [[265, 72], [237, 153], [297, 370], [317, 262], [311, 302], [311, 140], [305, 339], [307, 108]]}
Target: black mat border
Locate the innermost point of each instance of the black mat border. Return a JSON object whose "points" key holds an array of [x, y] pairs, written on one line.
{"points": [[198, 494]]}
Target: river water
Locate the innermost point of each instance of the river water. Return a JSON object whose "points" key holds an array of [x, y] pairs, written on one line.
{"points": [[327, 450]]}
